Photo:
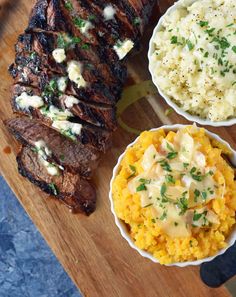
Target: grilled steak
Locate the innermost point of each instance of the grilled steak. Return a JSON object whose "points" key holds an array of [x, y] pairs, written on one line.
{"points": [[35, 50], [100, 116], [75, 192], [73, 155], [68, 75]]}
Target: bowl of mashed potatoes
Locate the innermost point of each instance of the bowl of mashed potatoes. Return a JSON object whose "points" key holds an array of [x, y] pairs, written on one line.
{"points": [[192, 60], [173, 195]]}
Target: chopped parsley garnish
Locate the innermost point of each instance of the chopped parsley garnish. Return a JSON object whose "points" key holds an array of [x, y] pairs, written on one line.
{"points": [[197, 216], [170, 179], [196, 175], [203, 23], [196, 195], [190, 44], [51, 88], [85, 46], [119, 44], [171, 155], [142, 186], [153, 221], [223, 42], [62, 157], [174, 40], [163, 190], [185, 165], [165, 165], [176, 224], [133, 170], [64, 41], [68, 5], [234, 49], [68, 133], [182, 203], [144, 180], [137, 21], [204, 195], [33, 55], [210, 31], [92, 17], [53, 189], [80, 23], [163, 216]]}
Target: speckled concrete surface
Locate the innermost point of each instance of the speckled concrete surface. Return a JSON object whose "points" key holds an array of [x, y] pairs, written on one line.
{"points": [[28, 267]]}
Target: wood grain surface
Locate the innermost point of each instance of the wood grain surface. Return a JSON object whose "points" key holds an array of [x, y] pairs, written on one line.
{"points": [[92, 251]]}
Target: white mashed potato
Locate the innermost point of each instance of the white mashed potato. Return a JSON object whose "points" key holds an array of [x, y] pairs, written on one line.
{"points": [[194, 62]]}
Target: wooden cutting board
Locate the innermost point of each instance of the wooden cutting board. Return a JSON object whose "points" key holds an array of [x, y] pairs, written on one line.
{"points": [[92, 251]]}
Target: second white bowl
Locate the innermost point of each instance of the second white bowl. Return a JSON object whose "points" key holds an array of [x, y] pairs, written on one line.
{"points": [[123, 228]]}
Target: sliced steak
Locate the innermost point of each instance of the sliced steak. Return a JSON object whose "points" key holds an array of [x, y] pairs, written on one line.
{"points": [[114, 19], [74, 156], [35, 51], [103, 117], [71, 49], [47, 15], [93, 92], [76, 193]]}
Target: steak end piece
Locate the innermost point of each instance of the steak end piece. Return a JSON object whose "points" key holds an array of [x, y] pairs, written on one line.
{"points": [[76, 193], [73, 155]]}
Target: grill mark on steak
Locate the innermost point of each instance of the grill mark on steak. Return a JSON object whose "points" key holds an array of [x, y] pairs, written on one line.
{"points": [[76, 193], [77, 157]]}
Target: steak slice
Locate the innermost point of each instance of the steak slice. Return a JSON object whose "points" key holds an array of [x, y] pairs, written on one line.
{"points": [[103, 117], [77, 17], [75, 192], [121, 25], [35, 51], [93, 92], [74, 156]]}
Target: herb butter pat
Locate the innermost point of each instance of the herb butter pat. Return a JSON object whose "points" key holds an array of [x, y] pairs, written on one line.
{"points": [[25, 101], [59, 55], [74, 70], [109, 12], [43, 153], [70, 101], [66, 126], [62, 84], [122, 48]]}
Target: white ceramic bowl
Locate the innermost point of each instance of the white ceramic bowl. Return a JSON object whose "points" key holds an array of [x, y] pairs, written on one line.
{"points": [[179, 110], [123, 228]]}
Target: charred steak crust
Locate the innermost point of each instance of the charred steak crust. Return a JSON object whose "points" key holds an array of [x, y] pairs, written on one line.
{"points": [[76, 193], [68, 74], [79, 158]]}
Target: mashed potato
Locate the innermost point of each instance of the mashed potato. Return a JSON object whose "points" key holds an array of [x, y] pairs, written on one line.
{"points": [[194, 62], [177, 195]]}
